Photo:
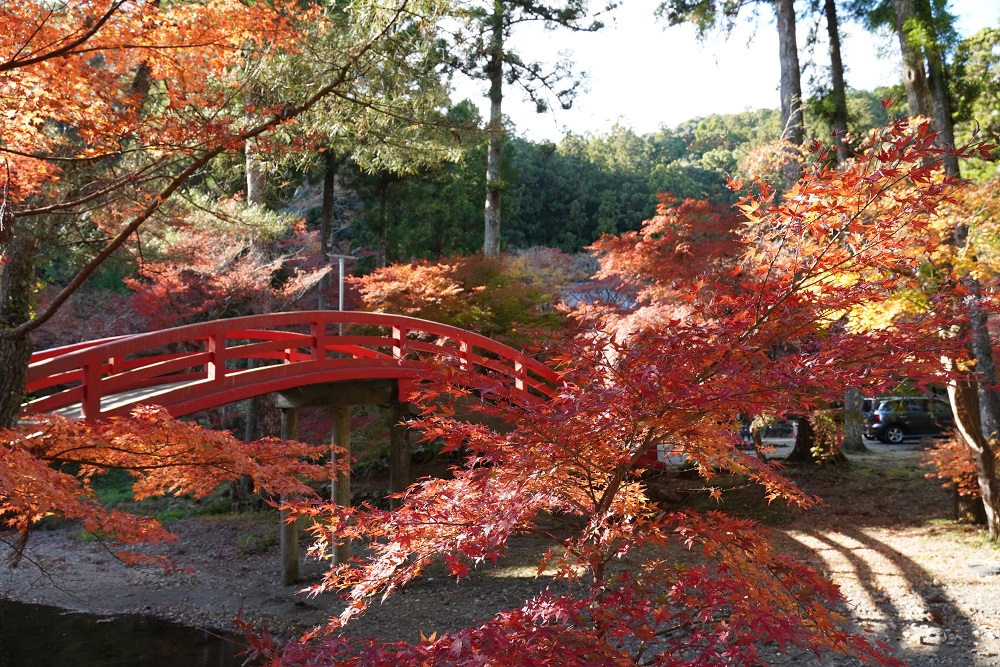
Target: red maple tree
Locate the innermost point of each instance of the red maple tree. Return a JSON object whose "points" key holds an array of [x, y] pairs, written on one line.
{"points": [[764, 330]]}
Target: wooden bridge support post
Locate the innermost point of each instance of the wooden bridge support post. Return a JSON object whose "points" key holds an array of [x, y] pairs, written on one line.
{"points": [[289, 532], [400, 455], [340, 491]]}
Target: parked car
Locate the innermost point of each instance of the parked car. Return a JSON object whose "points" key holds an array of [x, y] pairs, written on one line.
{"points": [[868, 406], [901, 417]]}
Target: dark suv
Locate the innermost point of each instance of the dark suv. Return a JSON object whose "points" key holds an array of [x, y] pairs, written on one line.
{"points": [[898, 418]]}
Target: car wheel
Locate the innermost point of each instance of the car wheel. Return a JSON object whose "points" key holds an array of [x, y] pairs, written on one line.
{"points": [[894, 435]]}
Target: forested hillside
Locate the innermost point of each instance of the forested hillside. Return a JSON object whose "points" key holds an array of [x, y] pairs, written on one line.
{"points": [[566, 194], [563, 195]]}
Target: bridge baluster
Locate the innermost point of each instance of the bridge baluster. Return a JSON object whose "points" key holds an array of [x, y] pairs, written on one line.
{"points": [[91, 404], [520, 374], [399, 342], [217, 356], [317, 330], [463, 354]]}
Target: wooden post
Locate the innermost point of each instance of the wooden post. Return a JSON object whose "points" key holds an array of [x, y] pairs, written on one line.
{"points": [[317, 331], [399, 451], [289, 535], [340, 491], [215, 369], [91, 403]]}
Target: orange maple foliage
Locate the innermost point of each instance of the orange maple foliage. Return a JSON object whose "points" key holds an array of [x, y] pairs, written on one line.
{"points": [[113, 61], [49, 465], [420, 289], [508, 297], [211, 274], [954, 464]]}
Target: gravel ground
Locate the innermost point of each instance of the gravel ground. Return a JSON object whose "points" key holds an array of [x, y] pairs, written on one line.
{"points": [[912, 579]]}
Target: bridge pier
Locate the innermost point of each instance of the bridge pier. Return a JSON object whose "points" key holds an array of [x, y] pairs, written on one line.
{"points": [[400, 454], [289, 531], [340, 482], [339, 398]]}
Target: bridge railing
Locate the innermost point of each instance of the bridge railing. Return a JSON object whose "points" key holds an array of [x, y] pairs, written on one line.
{"points": [[211, 363]]}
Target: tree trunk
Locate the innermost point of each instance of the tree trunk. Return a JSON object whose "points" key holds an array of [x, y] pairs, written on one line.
{"points": [[974, 400], [792, 128], [17, 277], [853, 441], [976, 404], [256, 177], [914, 75], [756, 426], [809, 449], [383, 220], [943, 119], [263, 418], [805, 443], [494, 187], [839, 84], [326, 222], [968, 508]]}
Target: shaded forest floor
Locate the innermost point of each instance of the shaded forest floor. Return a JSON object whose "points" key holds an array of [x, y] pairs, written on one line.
{"points": [[912, 578]]}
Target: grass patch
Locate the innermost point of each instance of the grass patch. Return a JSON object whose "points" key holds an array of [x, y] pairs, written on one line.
{"points": [[167, 509], [744, 500], [773, 514], [253, 544], [113, 487]]}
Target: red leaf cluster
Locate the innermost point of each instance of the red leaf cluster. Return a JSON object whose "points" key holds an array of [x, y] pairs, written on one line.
{"points": [[954, 463]]}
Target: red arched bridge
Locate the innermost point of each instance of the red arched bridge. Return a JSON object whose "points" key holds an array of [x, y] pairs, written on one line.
{"points": [[200, 366], [302, 356]]}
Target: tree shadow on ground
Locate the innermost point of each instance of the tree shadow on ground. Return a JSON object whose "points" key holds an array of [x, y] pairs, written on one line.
{"points": [[901, 579]]}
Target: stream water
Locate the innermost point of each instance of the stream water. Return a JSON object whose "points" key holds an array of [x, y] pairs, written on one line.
{"points": [[34, 635]]}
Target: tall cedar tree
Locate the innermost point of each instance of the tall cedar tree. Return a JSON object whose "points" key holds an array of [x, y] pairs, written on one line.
{"points": [[925, 29], [709, 14], [838, 84], [482, 51]]}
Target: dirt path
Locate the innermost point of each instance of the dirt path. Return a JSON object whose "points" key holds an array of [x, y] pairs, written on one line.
{"points": [[926, 587], [912, 578]]}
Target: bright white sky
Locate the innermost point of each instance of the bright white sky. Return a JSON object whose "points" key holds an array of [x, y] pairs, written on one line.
{"points": [[644, 74]]}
